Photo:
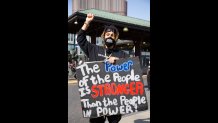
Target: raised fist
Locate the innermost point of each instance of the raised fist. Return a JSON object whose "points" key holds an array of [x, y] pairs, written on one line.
{"points": [[89, 17]]}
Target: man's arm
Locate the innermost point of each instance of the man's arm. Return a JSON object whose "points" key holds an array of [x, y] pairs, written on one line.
{"points": [[81, 38], [89, 19]]}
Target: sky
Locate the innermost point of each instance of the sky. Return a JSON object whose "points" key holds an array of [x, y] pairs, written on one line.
{"points": [[135, 8]]}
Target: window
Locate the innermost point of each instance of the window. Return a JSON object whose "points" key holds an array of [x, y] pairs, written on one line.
{"points": [[68, 37]]}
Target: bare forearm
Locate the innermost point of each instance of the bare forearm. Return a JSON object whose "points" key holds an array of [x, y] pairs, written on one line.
{"points": [[85, 25], [89, 18]]}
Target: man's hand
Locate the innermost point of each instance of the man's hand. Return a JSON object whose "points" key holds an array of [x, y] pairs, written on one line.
{"points": [[89, 18], [112, 59]]}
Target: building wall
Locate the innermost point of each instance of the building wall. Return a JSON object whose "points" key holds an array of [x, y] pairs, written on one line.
{"points": [[113, 6]]}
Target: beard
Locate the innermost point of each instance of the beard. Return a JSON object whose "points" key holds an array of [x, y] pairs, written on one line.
{"points": [[109, 42]]}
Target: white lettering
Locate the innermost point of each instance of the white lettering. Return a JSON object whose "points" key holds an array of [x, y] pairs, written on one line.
{"points": [[96, 68], [100, 80], [84, 67], [99, 110], [106, 111], [128, 109], [143, 100], [87, 113], [88, 91], [92, 78], [107, 76], [108, 102], [132, 101], [82, 92], [127, 78], [122, 110], [113, 112], [137, 78], [86, 103], [84, 81], [81, 67]]}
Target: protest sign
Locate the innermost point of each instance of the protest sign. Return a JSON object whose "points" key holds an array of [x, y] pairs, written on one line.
{"points": [[110, 89]]}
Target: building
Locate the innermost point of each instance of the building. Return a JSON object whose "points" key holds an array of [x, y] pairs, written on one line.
{"points": [[138, 32], [112, 6]]}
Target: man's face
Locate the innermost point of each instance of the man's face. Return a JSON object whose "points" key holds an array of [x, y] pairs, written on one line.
{"points": [[109, 34]]}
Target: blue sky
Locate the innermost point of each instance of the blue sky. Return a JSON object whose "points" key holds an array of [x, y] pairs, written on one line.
{"points": [[135, 8]]}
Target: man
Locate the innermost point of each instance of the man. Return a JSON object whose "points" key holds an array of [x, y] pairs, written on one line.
{"points": [[97, 53]]}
